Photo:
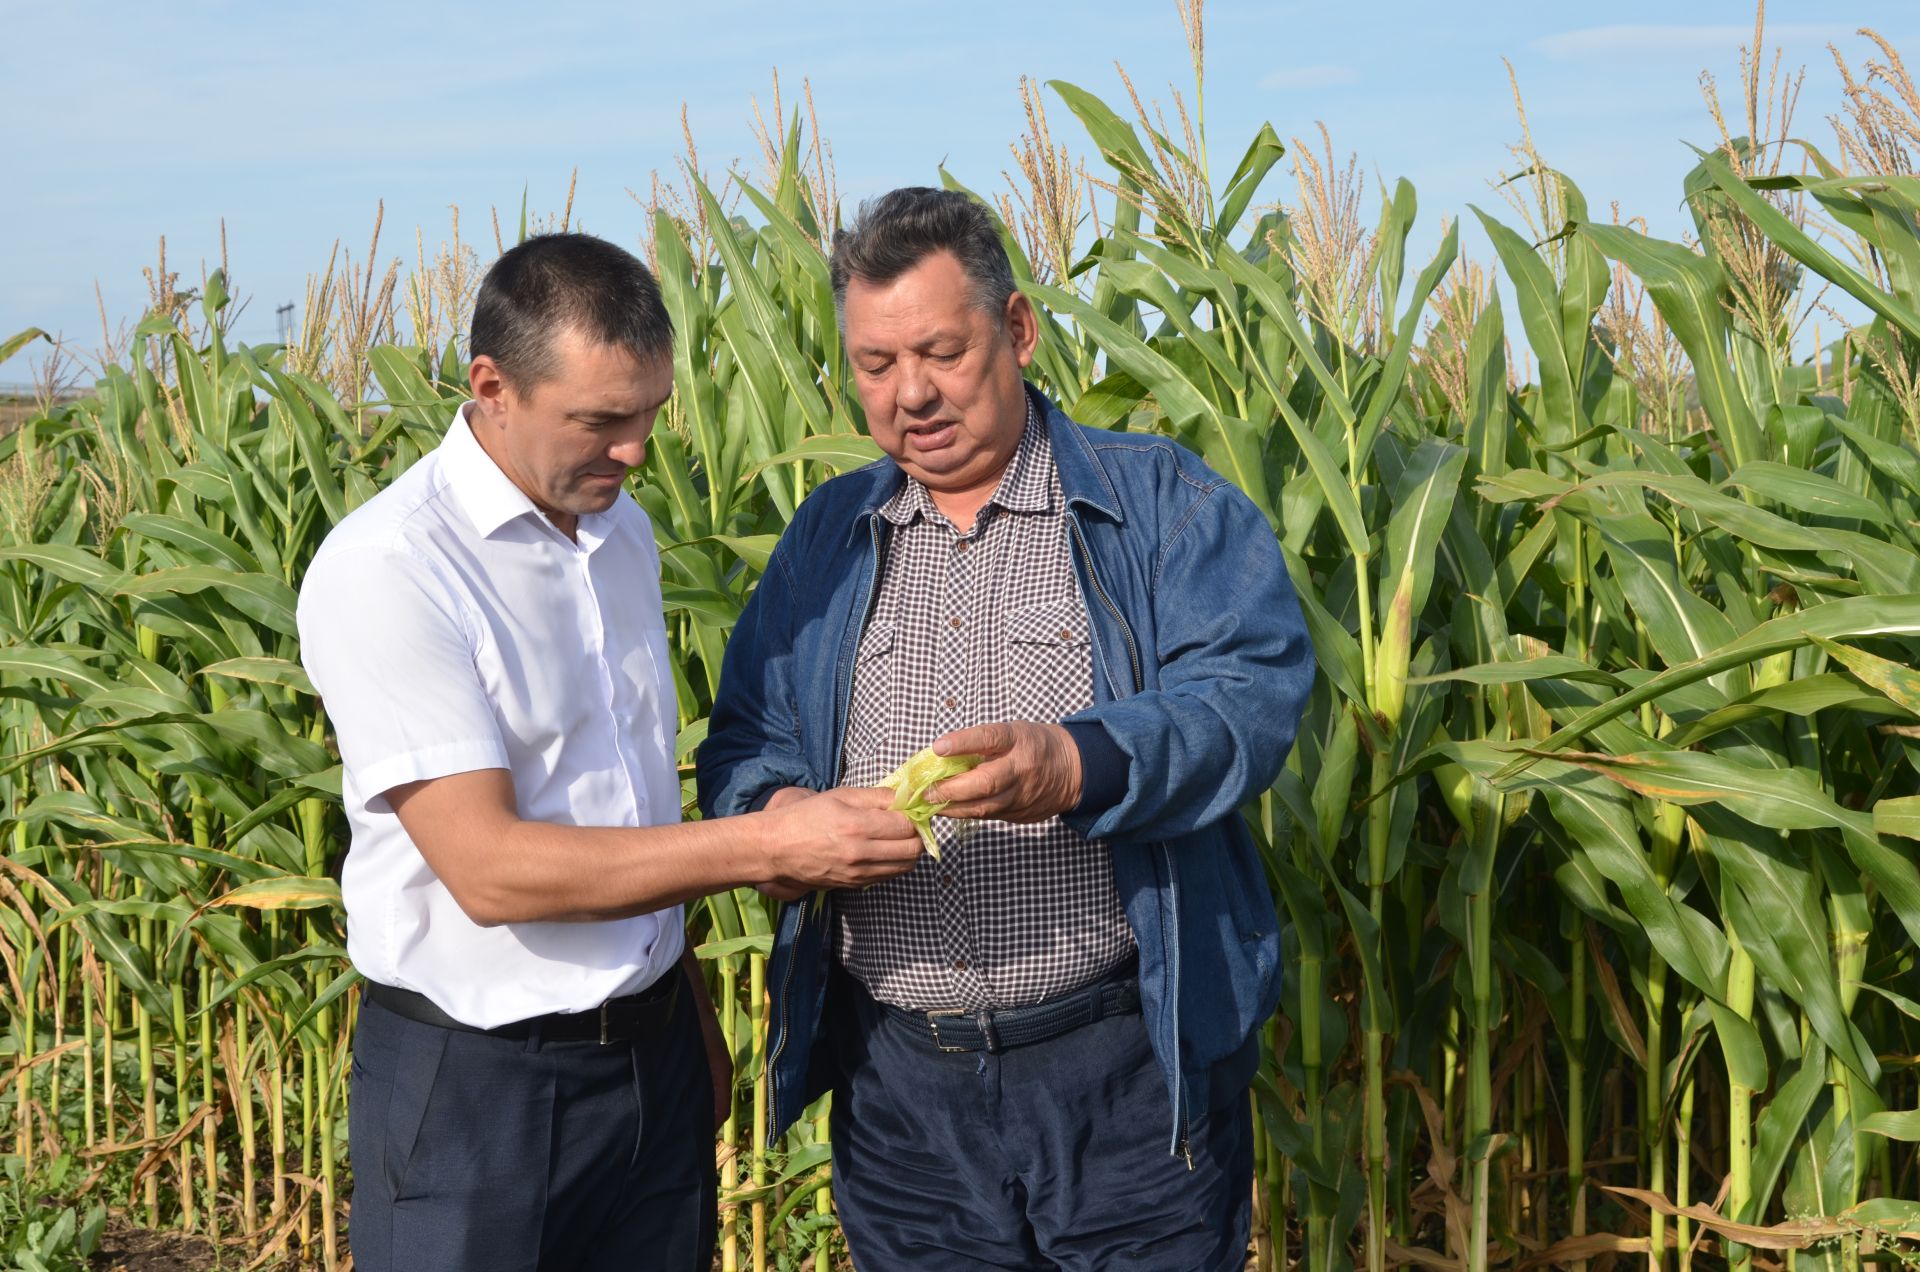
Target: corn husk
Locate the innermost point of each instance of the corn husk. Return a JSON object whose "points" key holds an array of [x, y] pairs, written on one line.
{"points": [[911, 781]]}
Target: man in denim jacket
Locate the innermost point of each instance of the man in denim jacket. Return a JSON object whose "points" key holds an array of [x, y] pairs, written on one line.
{"points": [[1041, 1040]]}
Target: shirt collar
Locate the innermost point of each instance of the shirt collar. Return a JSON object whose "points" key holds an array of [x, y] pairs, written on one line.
{"points": [[1025, 486], [489, 497]]}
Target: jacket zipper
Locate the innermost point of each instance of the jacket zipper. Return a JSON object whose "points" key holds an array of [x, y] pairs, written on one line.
{"points": [[843, 704], [786, 992], [1126, 633], [1180, 1144], [818, 900], [1181, 1147]]}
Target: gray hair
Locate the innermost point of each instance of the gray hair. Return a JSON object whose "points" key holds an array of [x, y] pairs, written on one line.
{"points": [[895, 232]]}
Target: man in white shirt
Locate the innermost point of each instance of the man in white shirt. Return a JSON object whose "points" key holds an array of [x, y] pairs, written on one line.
{"points": [[537, 1068]]}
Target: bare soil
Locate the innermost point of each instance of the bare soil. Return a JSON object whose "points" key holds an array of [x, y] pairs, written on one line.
{"points": [[126, 1248]]}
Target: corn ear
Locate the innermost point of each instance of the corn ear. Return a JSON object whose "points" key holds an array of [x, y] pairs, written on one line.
{"points": [[911, 782]]}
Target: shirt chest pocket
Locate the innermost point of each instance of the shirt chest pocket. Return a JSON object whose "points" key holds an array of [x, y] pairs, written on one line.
{"points": [[1049, 670]]}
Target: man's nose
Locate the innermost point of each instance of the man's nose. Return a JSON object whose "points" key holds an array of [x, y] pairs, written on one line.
{"points": [[630, 450], [916, 391]]}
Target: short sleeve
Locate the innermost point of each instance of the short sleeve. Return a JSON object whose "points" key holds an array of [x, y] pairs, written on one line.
{"points": [[384, 643]]}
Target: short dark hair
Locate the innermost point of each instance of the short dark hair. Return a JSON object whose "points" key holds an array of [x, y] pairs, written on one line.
{"points": [[557, 282], [895, 232]]}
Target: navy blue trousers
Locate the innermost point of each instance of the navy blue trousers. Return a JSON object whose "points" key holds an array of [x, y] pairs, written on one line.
{"points": [[479, 1154], [1049, 1156]]}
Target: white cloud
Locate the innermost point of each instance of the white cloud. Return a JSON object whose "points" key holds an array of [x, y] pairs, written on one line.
{"points": [[1309, 77], [1621, 43]]}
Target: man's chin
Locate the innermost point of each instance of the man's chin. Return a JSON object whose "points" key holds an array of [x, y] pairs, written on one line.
{"points": [[586, 503], [934, 463], [942, 472]]}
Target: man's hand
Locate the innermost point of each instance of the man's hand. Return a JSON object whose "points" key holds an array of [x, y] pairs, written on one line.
{"points": [[845, 838], [1031, 773]]}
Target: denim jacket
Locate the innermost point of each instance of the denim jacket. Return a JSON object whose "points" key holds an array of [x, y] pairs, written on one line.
{"points": [[1201, 670]]}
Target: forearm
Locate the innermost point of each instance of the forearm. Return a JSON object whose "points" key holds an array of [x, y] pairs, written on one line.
{"points": [[502, 868], [533, 872]]}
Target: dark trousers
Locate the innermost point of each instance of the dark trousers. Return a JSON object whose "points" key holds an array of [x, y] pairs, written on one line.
{"points": [[1052, 1155], [473, 1153]]}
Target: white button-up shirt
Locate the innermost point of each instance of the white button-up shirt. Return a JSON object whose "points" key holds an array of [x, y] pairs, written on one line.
{"points": [[449, 627]]}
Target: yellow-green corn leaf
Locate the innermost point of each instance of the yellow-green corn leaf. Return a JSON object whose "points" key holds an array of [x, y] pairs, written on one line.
{"points": [[1899, 816], [1900, 1126], [20, 340], [289, 893], [840, 452], [911, 781], [1900, 683]]}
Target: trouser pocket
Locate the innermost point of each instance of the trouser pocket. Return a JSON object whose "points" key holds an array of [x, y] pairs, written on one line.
{"points": [[396, 1063]]}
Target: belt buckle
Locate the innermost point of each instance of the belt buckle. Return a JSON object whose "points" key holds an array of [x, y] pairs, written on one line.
{"points": [[933, 1023]]}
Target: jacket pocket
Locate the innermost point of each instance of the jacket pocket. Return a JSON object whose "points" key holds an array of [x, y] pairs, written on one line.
{"points": [[1229, 946], [1237, 891]]}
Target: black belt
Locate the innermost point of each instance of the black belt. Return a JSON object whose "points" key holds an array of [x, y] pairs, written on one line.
{"points": [[623, 1019], [995, 1031]]}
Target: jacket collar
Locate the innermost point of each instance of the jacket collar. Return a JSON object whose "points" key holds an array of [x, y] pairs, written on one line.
{"points": [[1082, 478]]}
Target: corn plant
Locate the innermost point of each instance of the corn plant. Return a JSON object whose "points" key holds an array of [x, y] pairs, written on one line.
{"points": [[1595, 858]]}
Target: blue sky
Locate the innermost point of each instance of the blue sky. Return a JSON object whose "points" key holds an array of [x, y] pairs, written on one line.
{"points": [[292, 120]]}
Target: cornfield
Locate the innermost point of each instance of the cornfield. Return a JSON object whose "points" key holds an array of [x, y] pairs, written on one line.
{"points": [[1596, 857]]}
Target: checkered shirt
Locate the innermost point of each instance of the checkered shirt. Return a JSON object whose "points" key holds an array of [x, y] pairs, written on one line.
{"points": [[971, 629]]}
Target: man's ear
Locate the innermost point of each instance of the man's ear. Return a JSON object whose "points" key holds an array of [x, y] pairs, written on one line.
{"points": [[488, 386], [1022, 327]]}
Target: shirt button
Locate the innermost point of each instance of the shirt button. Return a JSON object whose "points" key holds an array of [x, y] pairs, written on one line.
{"points": [[946, 880], [950, 703], [954, 621], [1066, 633], [961, 545], [959, 964]]}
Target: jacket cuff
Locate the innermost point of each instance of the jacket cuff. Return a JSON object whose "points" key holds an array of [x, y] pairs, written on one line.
{"points": [[1104, 767]]}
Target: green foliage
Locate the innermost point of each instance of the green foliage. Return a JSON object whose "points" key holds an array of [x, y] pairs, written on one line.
{"points": [[37, 1234], [1601, 819]]}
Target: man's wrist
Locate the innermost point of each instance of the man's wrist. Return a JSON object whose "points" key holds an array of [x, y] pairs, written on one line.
{"points": [[775, 796], [760, 845]]}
